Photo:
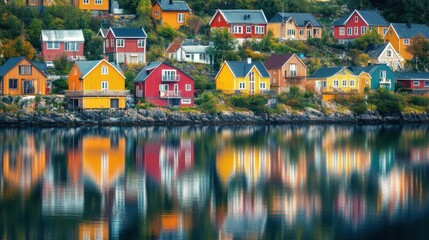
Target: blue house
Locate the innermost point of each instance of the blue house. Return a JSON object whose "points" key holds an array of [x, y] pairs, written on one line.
{"points": [[381, 75]]}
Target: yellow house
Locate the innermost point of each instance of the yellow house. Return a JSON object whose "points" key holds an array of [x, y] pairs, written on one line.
{"points": [[92, 5], [96, 84], [172, 13], [339, 81], [243, 77], [400, 36]]}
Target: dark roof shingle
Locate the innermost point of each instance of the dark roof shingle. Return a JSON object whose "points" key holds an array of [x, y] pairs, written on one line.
{"points": [[244, 16], [301, 19], [174, 6], [276, 61], [412, 76], [9, 64], [242, 68], [372, 17], [375, 50], [326, 72], [405, 30], [129, 32]]}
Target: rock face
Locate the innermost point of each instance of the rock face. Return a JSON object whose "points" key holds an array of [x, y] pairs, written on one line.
{"points": [[42, 115]]}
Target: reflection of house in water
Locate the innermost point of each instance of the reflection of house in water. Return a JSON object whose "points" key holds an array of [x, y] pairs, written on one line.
{"points": [[24, 165], [419, 154], [351, 207], [172, 225], [94, 230], [395, 191]]}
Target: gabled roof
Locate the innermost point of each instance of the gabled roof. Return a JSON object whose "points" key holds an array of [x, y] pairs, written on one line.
{"points": [[371, 17], [86, 67], [301, 19], [325, 72], [174, 6], [357, 70], [406, 30], [103, 32], [412, 76], [242, 68], [128, 32], [195, 49], [174, 46], [375, 50], [276, 61], [62, 36], [143, 74], [237, 16], [12, 62]]}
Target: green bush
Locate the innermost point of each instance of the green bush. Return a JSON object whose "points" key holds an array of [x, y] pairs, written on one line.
{"points": [[358, 105], [419, 101], [297, 99], [207, 102], [59, 86], [255, 103], [385, 101]]}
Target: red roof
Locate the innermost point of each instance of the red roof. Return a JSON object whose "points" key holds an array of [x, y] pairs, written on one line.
{"points": [[276, 61], [174, 46]]}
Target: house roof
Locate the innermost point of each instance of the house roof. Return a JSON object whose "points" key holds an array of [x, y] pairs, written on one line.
{"points": [[174, 6], [86, 66], [62, 36], [144, 74], [243, 16], [242, 68], [375, 50], [405, 30], [368, 69], [173, 46], [325, 72], [276, 61], [301, 19], [371, 17], [128, 32], [195, 49], [103, 32], [412, 76], [12, 62]]}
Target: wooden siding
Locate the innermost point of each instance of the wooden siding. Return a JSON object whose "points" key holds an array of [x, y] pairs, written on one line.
{"points": [[52, 54], [398, 43], [169, 17], [220, 22], [104, 6]]}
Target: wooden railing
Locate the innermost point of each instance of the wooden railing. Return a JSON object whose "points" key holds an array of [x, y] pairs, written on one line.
{"points": [[170, 78], [170, 94], [97, 93]]}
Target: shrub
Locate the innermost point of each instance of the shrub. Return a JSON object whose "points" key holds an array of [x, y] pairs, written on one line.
{"points": [[207, 102], [386, 102], [297, 99], [419, 101], [358, 105], [255, 103]]}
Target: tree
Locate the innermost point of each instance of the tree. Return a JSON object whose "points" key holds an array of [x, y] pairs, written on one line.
{"points": [[368, 38], [419, 48], [129, 80], [194, 23], [17, 47], [222, 46]]}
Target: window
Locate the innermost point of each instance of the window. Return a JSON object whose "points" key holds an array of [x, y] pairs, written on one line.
{"points": [[180, 17], [188, 87], [237, 29], [426, 83], [384, 30], [349, 31], [155, 13], [75, 71], [356, 19], [98, 2], [406, 41], [163, 87], [291, 32], [53, 45], [389, 53], [241, 85], [301, 32], [342, 31], [248, 29], [324, 84], [104, 85], [120, 43], [335, 83], [107, 43], [262, 85], [352, 83], [315, 31], [25, 70], [344, 83], [13, 83], [356, 31], [259, 29], [140, 43], [85, 1], [383, 74], [71, 46], [363, 30], [169, 75], [292, 69], [202, 56], [186, 101], [416, 83], [111, 42], [104, 70]]}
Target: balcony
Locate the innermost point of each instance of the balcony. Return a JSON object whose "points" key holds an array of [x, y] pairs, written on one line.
{"points": [[170, 78], [97, 93], [293, 77], [170, 94]]}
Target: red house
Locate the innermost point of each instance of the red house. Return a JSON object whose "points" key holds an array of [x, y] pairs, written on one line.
{"points": [[124, 45], [357, 23], [164, 85], [243, 24], [56, 43], [418, 82]]}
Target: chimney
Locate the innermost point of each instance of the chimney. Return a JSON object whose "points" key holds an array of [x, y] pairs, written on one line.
{"points": [[249, 60], [171, 2]]}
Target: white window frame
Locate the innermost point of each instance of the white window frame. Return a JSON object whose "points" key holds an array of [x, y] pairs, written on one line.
{"points": [[352, 83], [385, 30], [241, 85], [356, 19], [163, 87], [301, 32], [349, 31], [71, 46], [85, 1], [406, 41], [104, 70], [259, 29], [416, 83], [98, 2], [389, 53], [248, 29], [140, 43], [344, 83], [335, 83], [342, 31], [180, 17], [293, 69], [25, 70], [291, 32], [186, 101], [383, 74], [237, 29], [188, 87], [356, 31], [107, 43], [363, 30], [262, 86], [52, 45], [120, 43], [426, 84], [104, 85]]}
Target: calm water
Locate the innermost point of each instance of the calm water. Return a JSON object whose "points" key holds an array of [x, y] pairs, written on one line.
{"points": [[283, 182]]}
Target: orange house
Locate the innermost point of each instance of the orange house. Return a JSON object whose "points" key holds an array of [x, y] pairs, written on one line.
{"points": [[20, 76], [172, 13], [92, 5]]}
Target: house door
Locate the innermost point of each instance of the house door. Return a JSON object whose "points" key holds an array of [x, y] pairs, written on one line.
{"points": [[114, 103], [252, 82], [308, 33], [176, 89], [28, 87]]}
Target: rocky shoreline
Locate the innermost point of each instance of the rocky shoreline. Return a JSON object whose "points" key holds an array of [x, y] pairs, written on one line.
{"points": [[166, 117]]}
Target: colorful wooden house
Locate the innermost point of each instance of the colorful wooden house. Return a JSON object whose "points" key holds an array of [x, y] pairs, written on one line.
{"points": [[172, 13], [400, 36], [92, 5], [96, 84], [418, 82], [381, 75], [56, 43], [332, 82], [20, 76], [125, 45], [357, 23], [243, 24], [295, 26], [385, 53], [164, 85], [286, 70], [243, 77]]}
